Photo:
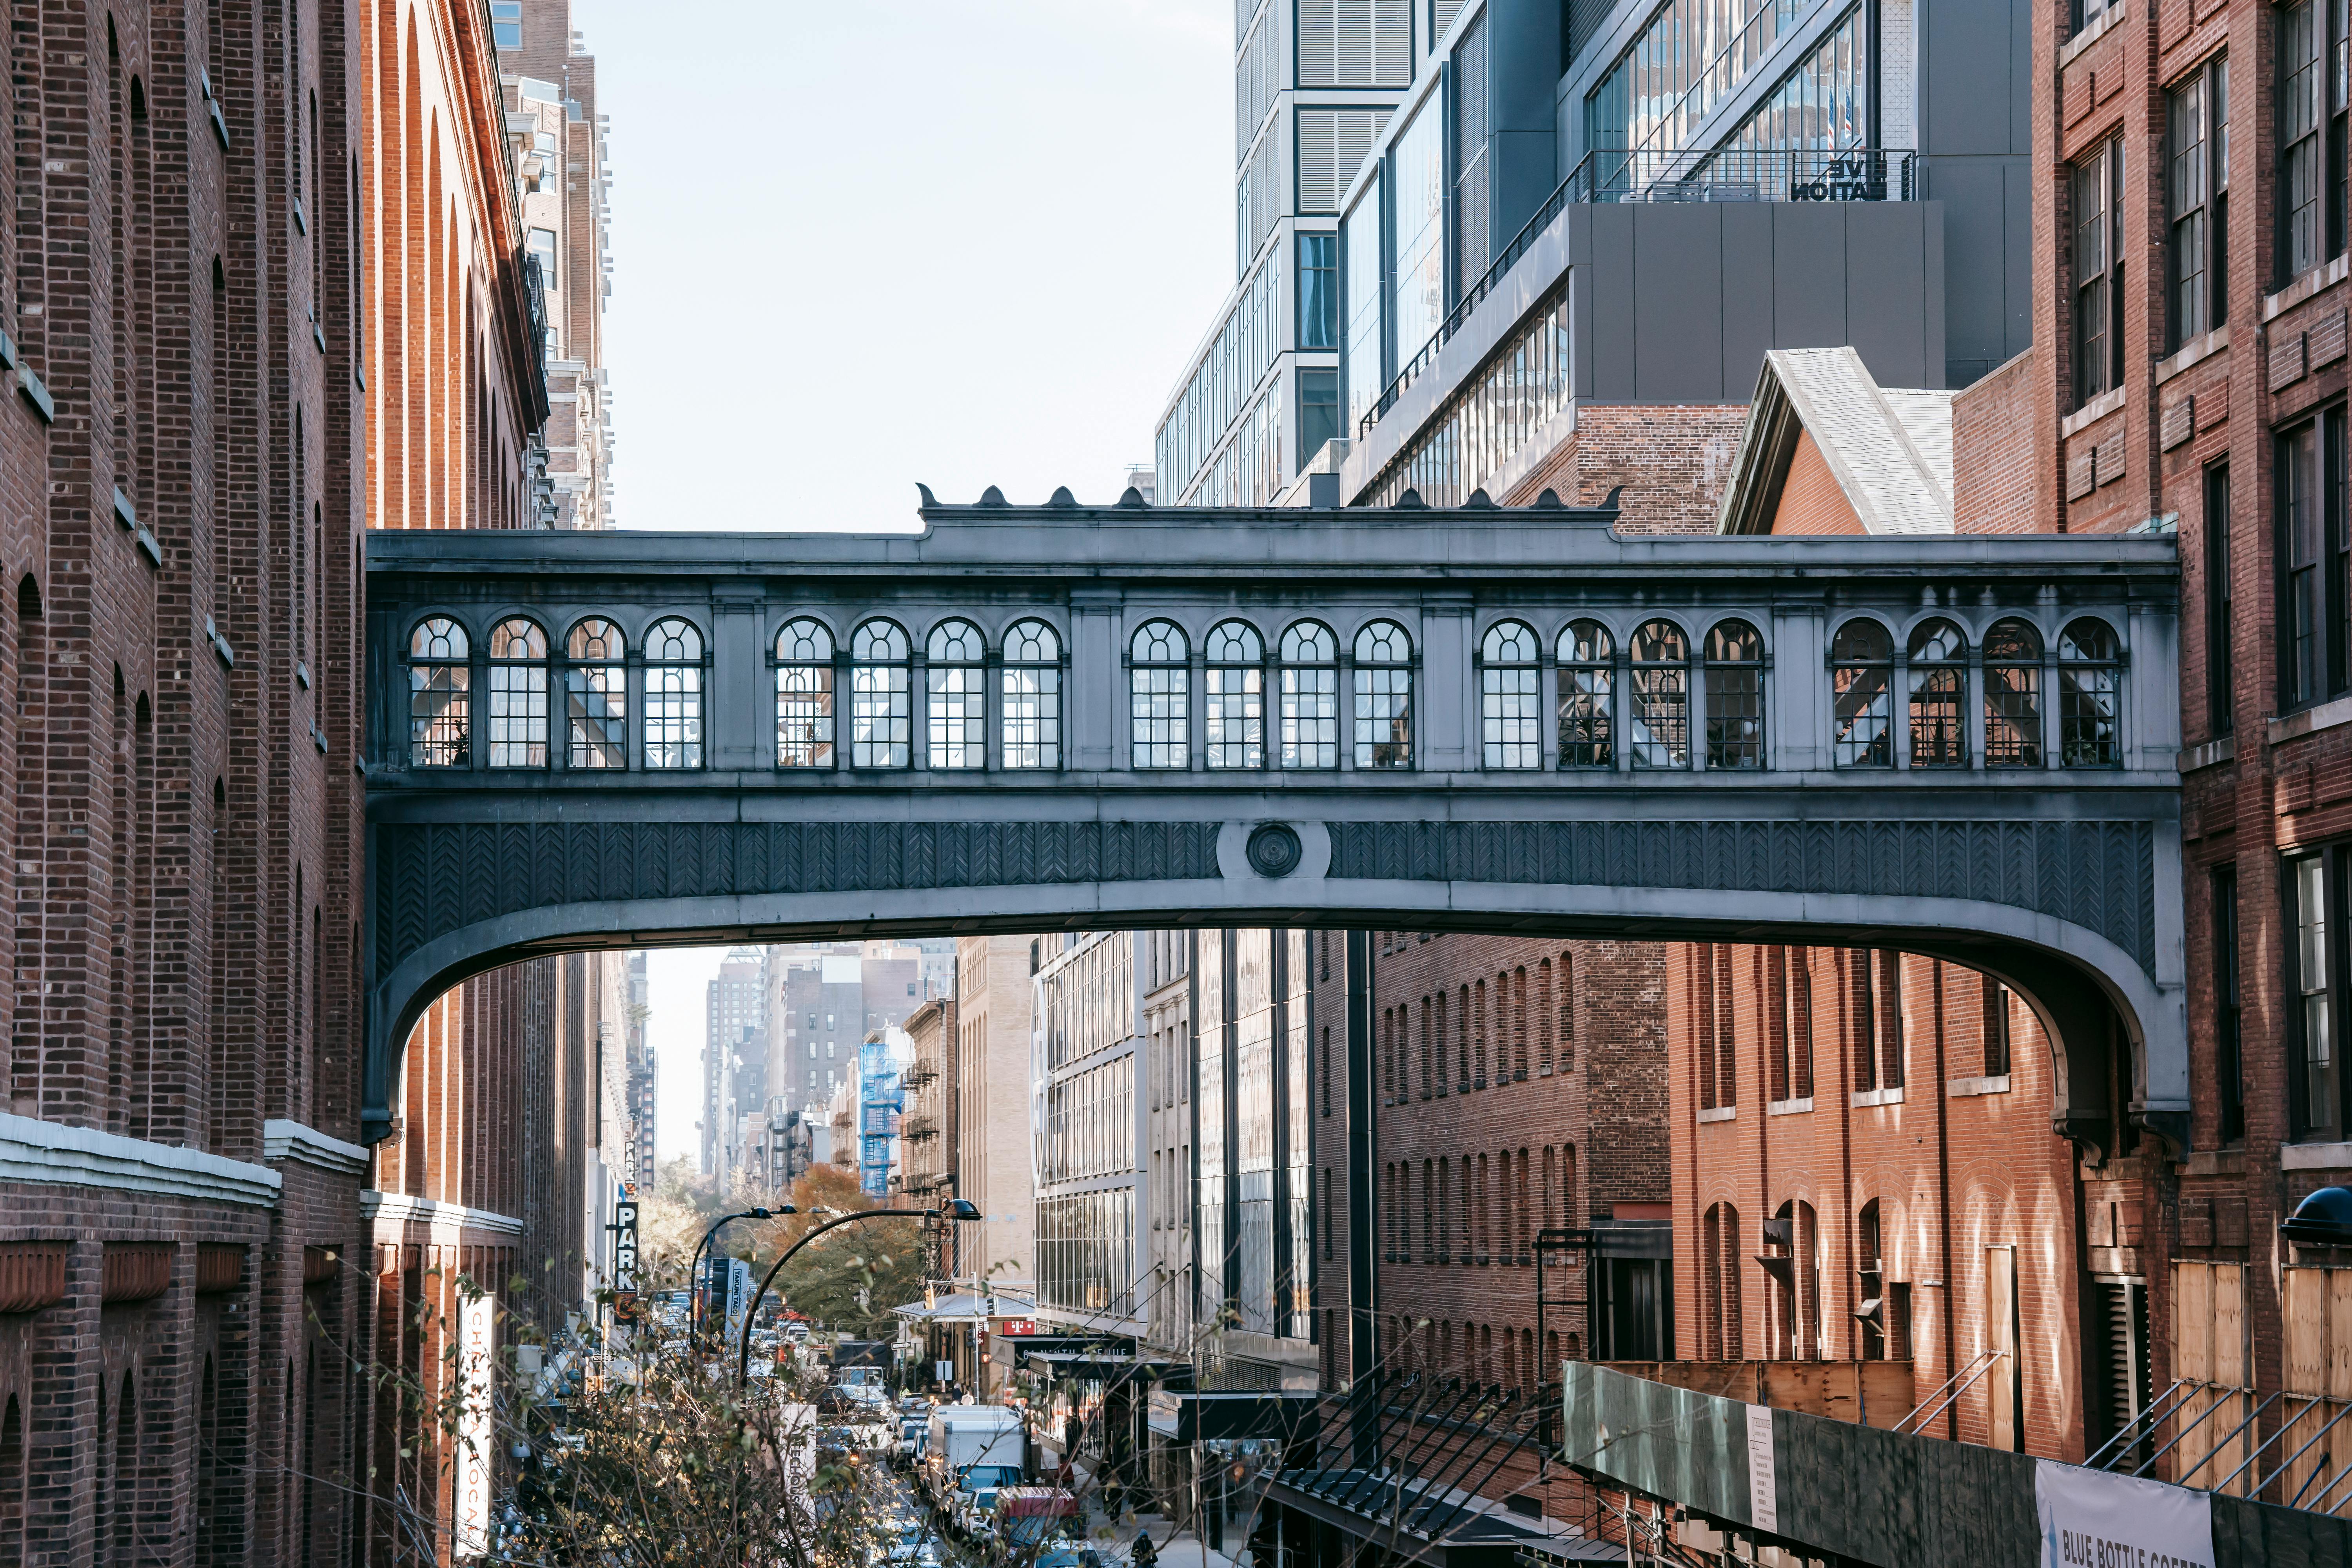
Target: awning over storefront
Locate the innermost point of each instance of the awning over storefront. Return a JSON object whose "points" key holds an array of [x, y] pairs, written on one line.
{"points": [[1186, 1418], [965, 1308], [1104, 1363]]}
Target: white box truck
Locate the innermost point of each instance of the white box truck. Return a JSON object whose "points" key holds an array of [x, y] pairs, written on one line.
{"points": [[974, 1449]]}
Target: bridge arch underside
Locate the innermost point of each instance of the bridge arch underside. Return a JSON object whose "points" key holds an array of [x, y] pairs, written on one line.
{"points": [[2073, 916]]}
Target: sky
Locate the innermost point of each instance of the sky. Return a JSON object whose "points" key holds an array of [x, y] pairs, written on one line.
{"points": [[964, 242]]}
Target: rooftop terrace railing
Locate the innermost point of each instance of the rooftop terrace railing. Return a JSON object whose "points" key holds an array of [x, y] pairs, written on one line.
{"points": [[1733, 174]]}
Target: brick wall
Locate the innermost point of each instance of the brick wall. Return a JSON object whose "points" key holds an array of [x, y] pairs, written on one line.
{"points": [[1521, 1088], [1673, 459], [1994, 481]]}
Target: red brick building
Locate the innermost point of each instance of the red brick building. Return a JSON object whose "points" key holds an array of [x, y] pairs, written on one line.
{"points": [[265, 289], [181, 479]]}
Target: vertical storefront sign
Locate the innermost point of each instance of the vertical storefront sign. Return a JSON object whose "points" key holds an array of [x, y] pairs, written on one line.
{"points": [[625, 1260], [2091, 1518], [476, 1325]]}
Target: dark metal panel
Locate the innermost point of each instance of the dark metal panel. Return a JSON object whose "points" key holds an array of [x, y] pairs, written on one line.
{"points": [[1972, 82], [1887, 304], [1678, 303], [1809, 274], [1611, 327], [1745, 244]]}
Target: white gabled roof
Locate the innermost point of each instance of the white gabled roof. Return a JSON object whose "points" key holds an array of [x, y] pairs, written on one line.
{"points": [[1890, 451]]}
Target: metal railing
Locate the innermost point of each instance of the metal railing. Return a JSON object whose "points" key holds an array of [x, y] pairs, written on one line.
{"points": [[1948, 1392], [1858, 175], [1745, 175]]}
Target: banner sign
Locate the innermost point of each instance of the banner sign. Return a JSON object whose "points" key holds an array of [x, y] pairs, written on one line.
{"points": [[2092, 1518], [1763, 1482], [475, 1324]]}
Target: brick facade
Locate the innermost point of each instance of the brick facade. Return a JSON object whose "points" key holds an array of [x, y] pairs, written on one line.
{"points": [[180, 473], [1522, 1087]]}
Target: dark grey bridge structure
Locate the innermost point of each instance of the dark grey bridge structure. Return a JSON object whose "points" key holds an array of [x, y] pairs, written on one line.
{"points": [[1040, 718]]}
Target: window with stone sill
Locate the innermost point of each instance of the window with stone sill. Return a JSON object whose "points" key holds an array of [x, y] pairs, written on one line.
{"points": [[2314, 561]]}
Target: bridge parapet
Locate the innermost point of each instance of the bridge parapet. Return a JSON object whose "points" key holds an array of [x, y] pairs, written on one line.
{"points": [[1507, 719]]}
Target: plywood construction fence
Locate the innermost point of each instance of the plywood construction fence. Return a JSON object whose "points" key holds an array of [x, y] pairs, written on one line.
{"points": [[1878, 1391], [2210, 1347], [2318, 1455]]}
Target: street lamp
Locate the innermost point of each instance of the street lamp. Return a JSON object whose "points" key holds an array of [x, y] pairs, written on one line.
{"points": [[959, 1209], [694, 1270]]}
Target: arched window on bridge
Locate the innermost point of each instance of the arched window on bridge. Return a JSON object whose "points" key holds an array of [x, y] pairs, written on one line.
{"points": [[1310, 697], [2012, 696], [1235, 673], [804, 695], [597, 696], [517, 695], [440, 691], [1511, 696], [1588, 696], [1661, 696], [1861, 668], [880, 730], [955, 689], [1939, 690], [673, 695], [1033, 696], [1160, 692], [2090, 682], [1735, 696], [1383, 696]]}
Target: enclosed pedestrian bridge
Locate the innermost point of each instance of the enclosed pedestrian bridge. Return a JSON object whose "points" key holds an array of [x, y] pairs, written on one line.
{"points": [[1036, 718]]}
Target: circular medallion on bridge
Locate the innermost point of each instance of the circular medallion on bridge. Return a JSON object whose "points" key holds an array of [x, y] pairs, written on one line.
{"points": [[1275, 849]]}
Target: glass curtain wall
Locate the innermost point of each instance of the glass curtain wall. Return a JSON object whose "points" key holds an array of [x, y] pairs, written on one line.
{"points": [[1690, 58], [1222, 383], [1255, 1147], [1524, 386], [1418, 293], [1084, 1137], [1822, 106], [1359, 245]]}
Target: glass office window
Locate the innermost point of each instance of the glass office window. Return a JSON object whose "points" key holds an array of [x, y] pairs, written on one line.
{"points": [[1318, 411], [1691, 54], [1319, 290], [1417, 296], [1365, 354]]}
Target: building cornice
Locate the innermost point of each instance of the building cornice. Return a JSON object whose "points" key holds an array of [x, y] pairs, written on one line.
{"points": [[282, 1140], [33, 1150], [388, 1210]]}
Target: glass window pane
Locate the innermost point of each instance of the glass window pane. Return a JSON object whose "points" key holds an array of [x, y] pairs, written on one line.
{"points": [[517, 695]]}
